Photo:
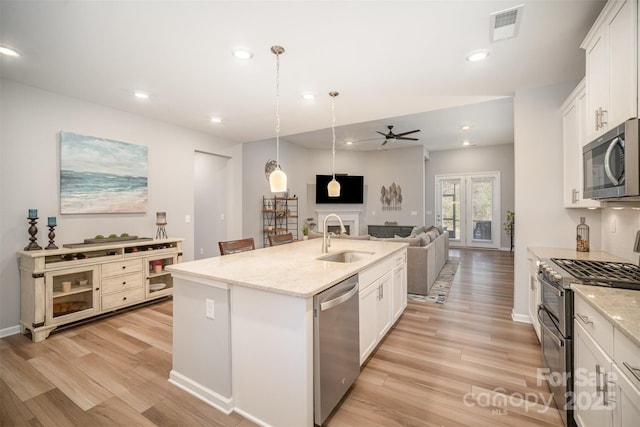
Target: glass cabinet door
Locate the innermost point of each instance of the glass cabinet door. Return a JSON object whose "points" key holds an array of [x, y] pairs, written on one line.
{"points": [[72, 294], [159, 280]]}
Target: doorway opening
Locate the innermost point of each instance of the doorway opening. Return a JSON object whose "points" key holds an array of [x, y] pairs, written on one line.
{"points": [[468, 208]]}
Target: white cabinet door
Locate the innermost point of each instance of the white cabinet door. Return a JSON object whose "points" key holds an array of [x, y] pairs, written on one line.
{"points": [[367, 318], [573, 139], [534, 292], [623, 70], [627, 399], [597, 83], [399, 284], [611, 49], [570, 146], [383, 309], [592, 374]]}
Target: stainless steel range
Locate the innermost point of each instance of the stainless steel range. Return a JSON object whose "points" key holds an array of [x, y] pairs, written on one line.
{"points": [[556, 315]]}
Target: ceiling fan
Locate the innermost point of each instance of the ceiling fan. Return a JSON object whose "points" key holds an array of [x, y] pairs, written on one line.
{"points": [[397, 136]]}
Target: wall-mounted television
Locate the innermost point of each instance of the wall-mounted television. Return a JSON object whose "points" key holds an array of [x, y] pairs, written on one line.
{"points": [[351, 189]]}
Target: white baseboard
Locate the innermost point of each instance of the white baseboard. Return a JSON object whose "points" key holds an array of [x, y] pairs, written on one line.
{"points": [[522, 318], [9, 331], [223, 404]]}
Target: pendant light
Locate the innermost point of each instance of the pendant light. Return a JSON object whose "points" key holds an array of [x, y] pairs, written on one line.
{"points": [[333, 188], [278, 179]]}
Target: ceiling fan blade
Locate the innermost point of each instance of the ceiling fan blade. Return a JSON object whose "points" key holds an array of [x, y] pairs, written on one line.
{"points": [[368, 139], [383, 134], [385, 141], [407, 133], [404, 138]]}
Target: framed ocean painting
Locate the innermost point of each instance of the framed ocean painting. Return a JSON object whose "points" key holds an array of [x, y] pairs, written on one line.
{"points": [[99, 175]]}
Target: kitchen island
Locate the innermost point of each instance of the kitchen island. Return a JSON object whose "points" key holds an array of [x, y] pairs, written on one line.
{"points": [[243, 323]]}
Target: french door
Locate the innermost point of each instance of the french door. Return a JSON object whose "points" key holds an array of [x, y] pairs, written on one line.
{"points": [[468, 208]]}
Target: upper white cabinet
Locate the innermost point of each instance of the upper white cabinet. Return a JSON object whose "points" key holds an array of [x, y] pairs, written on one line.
{"points": [[611, 51], [573, 138]]}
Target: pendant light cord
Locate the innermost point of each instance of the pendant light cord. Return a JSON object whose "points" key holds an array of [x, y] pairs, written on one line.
{"points": [[277, 110], [333, 134]]}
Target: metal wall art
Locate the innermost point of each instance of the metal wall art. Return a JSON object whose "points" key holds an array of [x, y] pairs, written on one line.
{"points": [[391, 197]]}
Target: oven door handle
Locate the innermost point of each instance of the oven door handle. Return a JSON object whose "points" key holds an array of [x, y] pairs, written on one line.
{"points": [[607, 161], [557, 292], [555, 334]]}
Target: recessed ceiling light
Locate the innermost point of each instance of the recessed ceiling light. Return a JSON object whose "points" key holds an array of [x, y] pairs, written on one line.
{"points": [[308, 96], [140, 95], [216, 120], [478, 55], [465, 127], [466, 143], [8, 51], [349, 142], [243, 54]]}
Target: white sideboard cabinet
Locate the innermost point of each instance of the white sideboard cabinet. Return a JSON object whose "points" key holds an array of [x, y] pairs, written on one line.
{"points": [[62, 286]]}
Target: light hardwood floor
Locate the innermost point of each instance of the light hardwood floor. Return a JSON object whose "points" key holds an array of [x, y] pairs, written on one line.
{"points": [[462, 363]]}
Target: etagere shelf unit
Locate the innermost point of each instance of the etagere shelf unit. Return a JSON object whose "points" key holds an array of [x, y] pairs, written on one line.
{"points": [[279, 216]]}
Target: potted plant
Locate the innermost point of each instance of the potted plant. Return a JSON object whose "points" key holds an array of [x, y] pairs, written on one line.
{"points": [[305, 231], [509, 226]]}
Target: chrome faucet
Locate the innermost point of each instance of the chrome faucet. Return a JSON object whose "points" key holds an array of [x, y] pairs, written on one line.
{"points": [[326, 239]]}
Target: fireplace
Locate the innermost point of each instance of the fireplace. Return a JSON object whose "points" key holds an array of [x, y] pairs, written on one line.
{"points": [[350, 219], [336, 229]]}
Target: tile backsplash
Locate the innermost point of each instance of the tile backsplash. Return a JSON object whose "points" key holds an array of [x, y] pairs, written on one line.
{"points": [[619, 227]]}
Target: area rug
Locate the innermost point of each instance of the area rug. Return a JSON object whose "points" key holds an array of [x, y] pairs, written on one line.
{"points": [[440, 289]]}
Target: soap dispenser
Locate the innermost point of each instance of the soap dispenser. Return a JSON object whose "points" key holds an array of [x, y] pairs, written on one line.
{"points": [[582, 236]]}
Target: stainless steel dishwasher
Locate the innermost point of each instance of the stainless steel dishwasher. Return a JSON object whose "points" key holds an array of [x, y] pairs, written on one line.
{"points": [[336, 345]]}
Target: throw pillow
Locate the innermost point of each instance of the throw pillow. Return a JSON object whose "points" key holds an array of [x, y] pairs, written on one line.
{"points": [[416, 231], [346, 236], [433, 234], [439, 228], [425, 239]]}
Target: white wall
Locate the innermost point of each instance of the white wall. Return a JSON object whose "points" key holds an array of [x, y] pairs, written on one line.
{"points": [[473, 160], [403, 166], [541, 219], [31, 122]]}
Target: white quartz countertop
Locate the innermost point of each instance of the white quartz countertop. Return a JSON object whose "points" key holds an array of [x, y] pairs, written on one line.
{"points": [[545, 252], [620, 306], [291, 269]]}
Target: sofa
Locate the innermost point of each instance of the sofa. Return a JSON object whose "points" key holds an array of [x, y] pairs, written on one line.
{"points": [[427, 253]]}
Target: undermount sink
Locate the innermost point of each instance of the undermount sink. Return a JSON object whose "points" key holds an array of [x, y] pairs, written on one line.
{"points": [[345, 256]]}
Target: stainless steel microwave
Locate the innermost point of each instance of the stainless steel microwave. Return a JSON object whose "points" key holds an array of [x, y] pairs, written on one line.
{"points": [[611, 163]]}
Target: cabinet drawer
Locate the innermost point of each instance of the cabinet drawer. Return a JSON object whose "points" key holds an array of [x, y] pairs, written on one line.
{"points": [[121, 283], [595, 324], [373, 273], [626, 354], [120, 299], [399, 258], [121, 267]]}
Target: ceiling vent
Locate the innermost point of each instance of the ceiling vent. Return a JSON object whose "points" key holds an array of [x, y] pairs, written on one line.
{"points": [[505, 24]]}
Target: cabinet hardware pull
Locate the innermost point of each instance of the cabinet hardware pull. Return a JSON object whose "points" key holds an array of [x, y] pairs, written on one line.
{"points": [[634, 371], [124, 283], [97, 289], [585, 319], [124, 266], [605, 389], [602, 114], [597, 120], [124, 298]]}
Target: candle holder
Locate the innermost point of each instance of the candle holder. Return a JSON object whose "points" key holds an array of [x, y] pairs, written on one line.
{"points": [[33, 230], [52, 236], [161, 221]]}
